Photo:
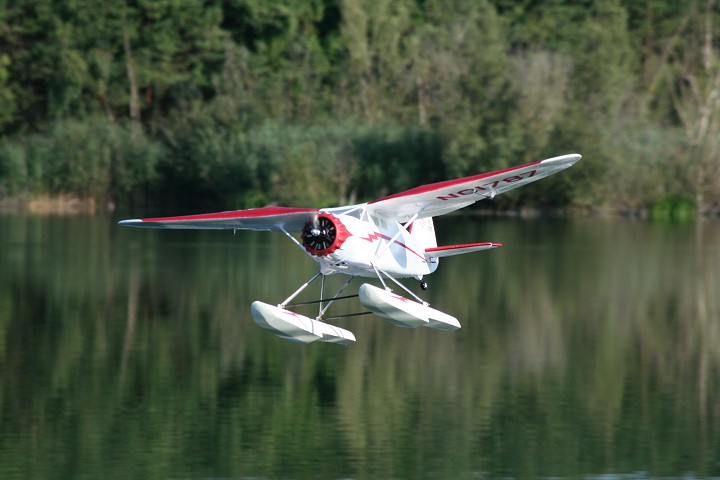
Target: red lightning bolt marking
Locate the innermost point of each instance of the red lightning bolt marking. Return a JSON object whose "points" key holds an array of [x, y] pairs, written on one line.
{"points": [[374, 236]]}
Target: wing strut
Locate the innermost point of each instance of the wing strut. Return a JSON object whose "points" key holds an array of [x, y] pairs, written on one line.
{"points": [[400, 230], [294, 240], [395, 237]]}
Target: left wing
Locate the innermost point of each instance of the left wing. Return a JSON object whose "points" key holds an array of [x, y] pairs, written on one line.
{"points": [[444, 197], [265, 218]]}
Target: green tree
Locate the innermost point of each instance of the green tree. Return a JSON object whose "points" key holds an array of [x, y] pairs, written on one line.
{"points": [[280, 58], [7, 97], [696, 98], [467, 85]]}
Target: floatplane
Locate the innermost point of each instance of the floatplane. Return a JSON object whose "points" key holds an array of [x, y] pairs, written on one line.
{"points": [[389, 238]]}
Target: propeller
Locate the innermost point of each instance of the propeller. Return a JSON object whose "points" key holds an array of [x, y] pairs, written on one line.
{"points": [[319, 233]]}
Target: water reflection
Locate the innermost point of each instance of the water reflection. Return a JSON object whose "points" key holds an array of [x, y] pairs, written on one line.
{"points": [[588, 347]]}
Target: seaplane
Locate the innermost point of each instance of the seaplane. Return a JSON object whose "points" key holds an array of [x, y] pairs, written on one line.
{"points": [[389, 238]]}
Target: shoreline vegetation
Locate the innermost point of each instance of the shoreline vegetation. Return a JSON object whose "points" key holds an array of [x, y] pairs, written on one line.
{"points": [[186, 107], [69, 205]]}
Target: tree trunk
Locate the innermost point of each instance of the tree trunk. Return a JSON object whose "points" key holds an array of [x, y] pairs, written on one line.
{"points": [[132, 78]]}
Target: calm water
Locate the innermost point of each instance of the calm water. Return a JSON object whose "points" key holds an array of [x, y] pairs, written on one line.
{"points": [[589, 349]]}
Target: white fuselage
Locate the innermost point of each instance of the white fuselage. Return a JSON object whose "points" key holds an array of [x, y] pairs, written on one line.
{"points": [[378, 243]]}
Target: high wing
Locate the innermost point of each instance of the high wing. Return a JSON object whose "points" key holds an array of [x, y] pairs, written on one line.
{"points": [[265, 218], [444, 197], [424, 201]]}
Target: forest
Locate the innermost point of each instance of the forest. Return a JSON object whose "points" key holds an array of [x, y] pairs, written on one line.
{"points": [[183, 105]]}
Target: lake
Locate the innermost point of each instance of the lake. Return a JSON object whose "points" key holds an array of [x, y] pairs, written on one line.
{"points": [[590, 348]]}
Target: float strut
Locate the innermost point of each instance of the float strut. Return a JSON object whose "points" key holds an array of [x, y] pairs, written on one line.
{"points": [[302, 287]]}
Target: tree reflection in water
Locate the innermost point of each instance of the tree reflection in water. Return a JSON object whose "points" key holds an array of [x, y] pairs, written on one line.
{"points": [[587, 347]]}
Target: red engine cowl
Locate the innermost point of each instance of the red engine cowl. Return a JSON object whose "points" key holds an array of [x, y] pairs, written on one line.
{"points": [[324, 234]]}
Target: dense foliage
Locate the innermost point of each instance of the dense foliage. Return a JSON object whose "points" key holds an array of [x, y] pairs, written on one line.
{"points": [[239, 103]]}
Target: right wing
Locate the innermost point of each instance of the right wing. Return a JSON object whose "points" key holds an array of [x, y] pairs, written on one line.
{"points": [[444, 197], [265, 218]]}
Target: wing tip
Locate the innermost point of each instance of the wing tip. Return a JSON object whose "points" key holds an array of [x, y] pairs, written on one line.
{"points": [[133, 222], [564, 160]]}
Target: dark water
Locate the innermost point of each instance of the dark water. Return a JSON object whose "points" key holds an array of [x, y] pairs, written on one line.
{"points": [[589, 349]]}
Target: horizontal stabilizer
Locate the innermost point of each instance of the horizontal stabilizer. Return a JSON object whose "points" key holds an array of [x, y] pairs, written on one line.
{"points": [[450, 250]]}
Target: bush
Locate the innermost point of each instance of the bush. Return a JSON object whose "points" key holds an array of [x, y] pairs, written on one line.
{"points": [[673, 208], [227, 166], [95, 158]]}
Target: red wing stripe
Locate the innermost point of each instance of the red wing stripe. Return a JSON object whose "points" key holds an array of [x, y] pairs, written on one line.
{"points": [[234, 214], [432, 187]]}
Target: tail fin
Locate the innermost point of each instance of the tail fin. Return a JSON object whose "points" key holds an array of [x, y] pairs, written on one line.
{"points": [[423, 232]]}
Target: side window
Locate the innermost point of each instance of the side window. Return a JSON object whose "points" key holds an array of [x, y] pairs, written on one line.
{"points": [[379, 222]]}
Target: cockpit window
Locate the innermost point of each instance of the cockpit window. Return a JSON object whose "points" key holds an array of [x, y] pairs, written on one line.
{"points": [[352, 211], [357, 213]]}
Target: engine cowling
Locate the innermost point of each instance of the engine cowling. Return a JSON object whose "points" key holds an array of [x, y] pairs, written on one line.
{"points": [[323, 234]]}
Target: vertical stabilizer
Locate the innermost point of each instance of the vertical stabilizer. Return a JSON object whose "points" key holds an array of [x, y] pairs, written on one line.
{"points": [[423, 233]]}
